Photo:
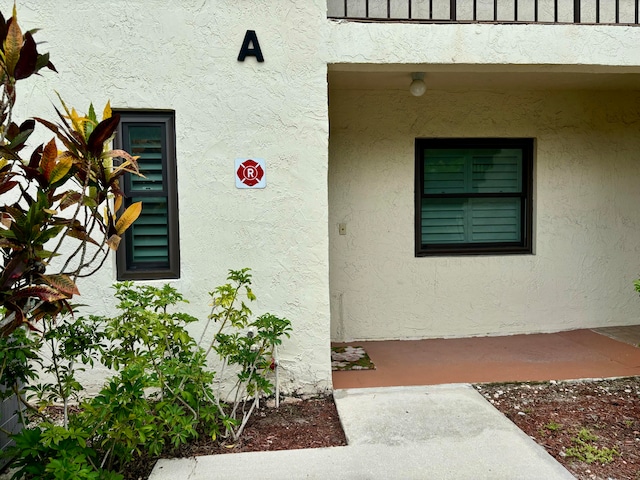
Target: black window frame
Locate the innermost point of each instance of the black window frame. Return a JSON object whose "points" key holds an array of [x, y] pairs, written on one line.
{"points": [[126, 269], [525, 245]]}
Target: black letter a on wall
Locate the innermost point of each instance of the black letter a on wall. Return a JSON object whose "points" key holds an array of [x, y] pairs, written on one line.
{"points": [[250, 38]]}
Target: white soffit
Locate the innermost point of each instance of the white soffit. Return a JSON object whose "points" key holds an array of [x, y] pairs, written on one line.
{"points": [[457, 78]]}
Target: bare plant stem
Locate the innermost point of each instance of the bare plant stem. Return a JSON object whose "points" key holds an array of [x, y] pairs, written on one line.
{"points": [[237, 434]]}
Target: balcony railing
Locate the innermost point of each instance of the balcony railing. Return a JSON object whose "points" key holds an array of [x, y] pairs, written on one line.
{"points": [[616, 12]]}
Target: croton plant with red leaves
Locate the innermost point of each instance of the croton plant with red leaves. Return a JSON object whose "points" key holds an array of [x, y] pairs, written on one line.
{"points": [[61, 205]]}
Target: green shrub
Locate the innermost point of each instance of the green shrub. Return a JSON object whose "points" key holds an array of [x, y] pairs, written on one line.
{"points": [[161, 395], [244, 345], [53, 452]]}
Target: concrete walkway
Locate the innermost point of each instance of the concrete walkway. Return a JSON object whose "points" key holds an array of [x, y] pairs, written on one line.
{"points": [[423, 432]]}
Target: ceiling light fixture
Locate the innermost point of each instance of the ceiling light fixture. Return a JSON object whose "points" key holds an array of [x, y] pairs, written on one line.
{"points": [[417, 87]]}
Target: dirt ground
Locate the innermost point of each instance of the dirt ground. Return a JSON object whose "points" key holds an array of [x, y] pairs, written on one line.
{"points": [[592, 427], [297, 423]]}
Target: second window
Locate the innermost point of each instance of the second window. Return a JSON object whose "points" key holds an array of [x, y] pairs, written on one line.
{"points": [[473, 196]]}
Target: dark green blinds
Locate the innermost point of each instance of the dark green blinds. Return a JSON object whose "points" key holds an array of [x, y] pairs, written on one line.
{"points": [[151, 246], [149, 235], [472, 196]]}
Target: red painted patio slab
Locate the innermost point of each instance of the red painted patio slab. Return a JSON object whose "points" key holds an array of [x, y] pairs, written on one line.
{"points": [[550, 356]]}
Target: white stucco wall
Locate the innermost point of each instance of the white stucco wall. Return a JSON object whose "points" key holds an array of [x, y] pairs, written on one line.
{"points": [[585, 225], [183, 56], [586, 222], [575, 47]]}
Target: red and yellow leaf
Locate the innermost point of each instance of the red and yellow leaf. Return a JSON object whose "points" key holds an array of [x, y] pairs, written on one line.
{"points": [[48, 159], [13, 271], [41, 292], [80, 233], [101, 134], [61, 169], [13, 43], [6, 219], [6, 186], [27, 63], [78, 122], [62, 283], [129, 216], [70, 198], [130, 163]]}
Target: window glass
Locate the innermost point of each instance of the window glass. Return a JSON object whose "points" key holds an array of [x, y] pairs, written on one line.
{"points": [[474, 195]]}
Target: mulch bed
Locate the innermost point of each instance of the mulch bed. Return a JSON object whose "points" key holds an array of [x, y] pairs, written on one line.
{"points": [[589, 418], [312, 423], [297, 423]]}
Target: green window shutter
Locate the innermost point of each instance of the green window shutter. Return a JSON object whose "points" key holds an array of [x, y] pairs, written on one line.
{"points": [[149, 244], [445, 171], [444, 220], [148, 240], [496, 172], [146, 143], [494, 220], [470, 220]]}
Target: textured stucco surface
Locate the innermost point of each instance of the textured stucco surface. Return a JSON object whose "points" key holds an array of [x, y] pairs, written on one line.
{"points": [[586, 222], [182, 55], [483, 44]]}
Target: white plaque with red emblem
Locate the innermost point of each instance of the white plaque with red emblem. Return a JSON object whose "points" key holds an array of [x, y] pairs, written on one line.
{"points": [[251, 173]]}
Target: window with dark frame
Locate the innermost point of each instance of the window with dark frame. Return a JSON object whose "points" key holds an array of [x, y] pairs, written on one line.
{"points": [[150, 248], [473, 196]]}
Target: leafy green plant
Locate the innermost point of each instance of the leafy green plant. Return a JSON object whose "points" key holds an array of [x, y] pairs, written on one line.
{"points": [[161, 395], [244, 345], [585, 450], [162, 392], [72, 343], [585, 435], [19, 361], [49, 451], [57, 222], [553, 426], [159, 398]]}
